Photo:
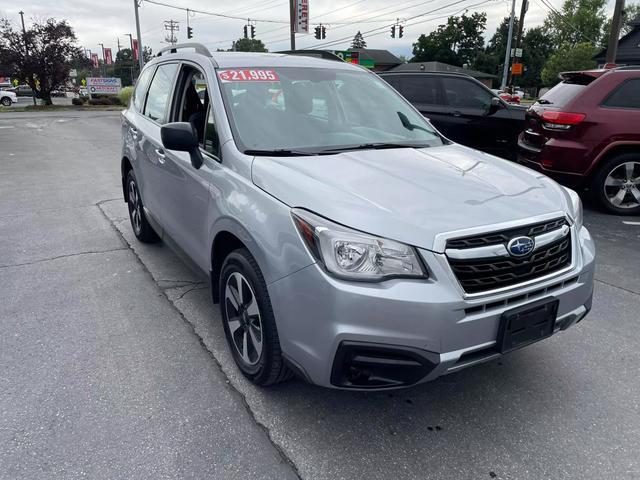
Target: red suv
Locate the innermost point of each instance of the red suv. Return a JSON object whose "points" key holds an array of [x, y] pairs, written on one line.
{"points": [[585, 132]]}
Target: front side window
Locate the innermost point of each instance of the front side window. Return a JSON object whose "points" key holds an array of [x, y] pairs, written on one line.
{"points": [[318, 110], [462, 93], [160, 93], [626, 95]]}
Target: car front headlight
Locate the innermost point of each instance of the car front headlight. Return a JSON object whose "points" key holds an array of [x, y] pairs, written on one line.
{"points": [[576, 207], [354, 255]]}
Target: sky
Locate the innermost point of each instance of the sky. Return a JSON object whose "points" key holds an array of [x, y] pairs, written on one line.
{"points": [[105, 21]]}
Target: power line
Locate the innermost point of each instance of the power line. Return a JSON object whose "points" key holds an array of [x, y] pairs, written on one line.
{"points": [[221, 15], [553, 10]]}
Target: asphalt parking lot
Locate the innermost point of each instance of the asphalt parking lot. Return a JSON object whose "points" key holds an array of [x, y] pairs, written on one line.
{"points": [[113, 362]]}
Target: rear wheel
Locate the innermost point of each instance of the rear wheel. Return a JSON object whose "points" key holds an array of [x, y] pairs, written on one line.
{"points": [[141, 227], [248, 320], [616, 186]]}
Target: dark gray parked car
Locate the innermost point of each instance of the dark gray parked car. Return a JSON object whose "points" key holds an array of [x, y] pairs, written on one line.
{"points": [[354, 246]]}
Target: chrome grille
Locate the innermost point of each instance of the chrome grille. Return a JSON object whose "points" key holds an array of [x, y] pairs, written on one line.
{"points": [[498, 271]]}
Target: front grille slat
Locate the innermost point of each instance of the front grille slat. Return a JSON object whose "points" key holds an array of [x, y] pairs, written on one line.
{"points": [[484, 274]]}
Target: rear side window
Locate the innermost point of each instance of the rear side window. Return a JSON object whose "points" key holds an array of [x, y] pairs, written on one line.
{"points": [[141, 87], [417, 89], [160, 92], [462, 93], [626, 95], [562, 94]]}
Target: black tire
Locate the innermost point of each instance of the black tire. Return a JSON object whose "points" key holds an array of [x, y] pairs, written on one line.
{"points": [[6, 101], [267, 367], [139, 223], [615, 170]]}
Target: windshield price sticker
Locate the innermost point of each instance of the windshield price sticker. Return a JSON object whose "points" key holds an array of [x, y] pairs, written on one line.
{"points": [[252, 75]]}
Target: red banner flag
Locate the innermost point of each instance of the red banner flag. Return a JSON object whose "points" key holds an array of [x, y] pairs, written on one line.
{"points": [[135, 49], [94, 60], [108, 59]]}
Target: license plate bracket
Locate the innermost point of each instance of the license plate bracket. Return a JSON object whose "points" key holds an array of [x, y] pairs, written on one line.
{"points": [[527, 324]]}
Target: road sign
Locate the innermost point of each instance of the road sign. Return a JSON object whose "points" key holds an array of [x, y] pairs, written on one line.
{"points": [[109, 86], [301, 15], [516, 69], [517, 52]]}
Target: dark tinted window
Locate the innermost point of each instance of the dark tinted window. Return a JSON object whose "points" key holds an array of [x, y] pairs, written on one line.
{"points": [[160, 92], [462, 93], [141, 87], [417, 88], [626, 95], [562, 94]]}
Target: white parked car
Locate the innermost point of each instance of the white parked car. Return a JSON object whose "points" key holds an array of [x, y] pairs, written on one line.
{"points": [[7, 98]]}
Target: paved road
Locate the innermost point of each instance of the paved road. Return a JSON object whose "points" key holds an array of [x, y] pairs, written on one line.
{"points": [[113, 362]]}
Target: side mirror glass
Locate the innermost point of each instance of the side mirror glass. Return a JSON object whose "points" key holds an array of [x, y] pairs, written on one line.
{"points": [[495, 105], [182, 137]]}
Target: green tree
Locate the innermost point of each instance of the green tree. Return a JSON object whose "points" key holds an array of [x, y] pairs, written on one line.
{"points": [[358, 41], [456, 42], [51, 47], [568, 58], [536, 49], [250, 45], [577, 22]]}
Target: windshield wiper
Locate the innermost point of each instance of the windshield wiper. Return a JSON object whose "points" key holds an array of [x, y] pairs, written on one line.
{"points": [[543, 101], [373, 146], [280, 152], [406, 123]]}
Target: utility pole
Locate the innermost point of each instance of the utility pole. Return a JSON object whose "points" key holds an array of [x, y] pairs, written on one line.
{"points": [[507, 55], [132, 59], [26, 49], [523, 11], [140, 48], [612, 48], [292, 21], [118, 40], [171, 26]]}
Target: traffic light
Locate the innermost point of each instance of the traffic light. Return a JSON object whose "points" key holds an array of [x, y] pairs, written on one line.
{"points": [[324, 32], [246, 33], [253, 31], [317, 32], [189, 32], [400, 30], [393, 31]]}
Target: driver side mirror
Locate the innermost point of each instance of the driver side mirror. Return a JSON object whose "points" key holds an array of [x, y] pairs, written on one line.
{"points": [[496, 104], [182, 137]]}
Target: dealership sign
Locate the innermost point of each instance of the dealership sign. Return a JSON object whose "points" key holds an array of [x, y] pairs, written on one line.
{"points": [[104, 85], [301, 16]]}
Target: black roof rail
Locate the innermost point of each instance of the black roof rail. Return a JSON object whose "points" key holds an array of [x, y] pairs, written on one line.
{"points": [[314, 53], [199, 48]]}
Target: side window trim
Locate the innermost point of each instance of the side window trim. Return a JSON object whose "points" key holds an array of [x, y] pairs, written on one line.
{"points": [[152, 72]]}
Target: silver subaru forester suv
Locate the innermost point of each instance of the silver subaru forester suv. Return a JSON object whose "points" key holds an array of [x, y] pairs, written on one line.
{"points": [[346, 240]]}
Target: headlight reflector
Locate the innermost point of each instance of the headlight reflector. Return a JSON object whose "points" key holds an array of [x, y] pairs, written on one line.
{"points": [[352, 255]]}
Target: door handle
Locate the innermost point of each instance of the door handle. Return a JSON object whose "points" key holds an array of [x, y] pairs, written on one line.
{"points": [[133, 132], [161, 155], [456, 113]]}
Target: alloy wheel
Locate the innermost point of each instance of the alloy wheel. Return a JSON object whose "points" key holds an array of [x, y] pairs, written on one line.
{"points": [[622, 185], [135, 211], [6, 102], [243, 318]]}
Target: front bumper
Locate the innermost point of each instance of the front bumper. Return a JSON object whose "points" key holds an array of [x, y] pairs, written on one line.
{"points": [[424, 325]]}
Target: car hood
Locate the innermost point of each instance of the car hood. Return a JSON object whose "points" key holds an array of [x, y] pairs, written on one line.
{"points": [[410, 195]]}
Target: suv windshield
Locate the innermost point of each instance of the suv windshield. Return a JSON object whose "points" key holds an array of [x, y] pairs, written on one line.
{"points": [[311, 110]]}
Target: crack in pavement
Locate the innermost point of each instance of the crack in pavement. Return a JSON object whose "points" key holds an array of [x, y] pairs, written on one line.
{"points": [[192, 329], [618, 287], [90, 252], [190, 290]]}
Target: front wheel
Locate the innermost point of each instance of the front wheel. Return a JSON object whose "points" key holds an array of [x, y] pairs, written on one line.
{"points": [[249, 323], [6, 101], [616, 186]]}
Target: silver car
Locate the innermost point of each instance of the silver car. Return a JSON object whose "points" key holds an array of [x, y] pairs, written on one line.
{"points": [[346, 240]]}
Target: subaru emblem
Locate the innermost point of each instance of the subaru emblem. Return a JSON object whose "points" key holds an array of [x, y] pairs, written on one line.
{"points": [[520, 246]]}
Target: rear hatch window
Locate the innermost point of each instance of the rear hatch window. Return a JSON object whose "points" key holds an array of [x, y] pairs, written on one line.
{"points": [[572, 84]]}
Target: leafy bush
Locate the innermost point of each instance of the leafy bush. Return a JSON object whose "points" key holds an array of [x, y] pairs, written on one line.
{"points": [[125, 95], [77, 101], [115, 100]]}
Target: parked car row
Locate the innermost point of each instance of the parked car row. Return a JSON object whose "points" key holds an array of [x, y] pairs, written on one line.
{"points": [[584, 132]]}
